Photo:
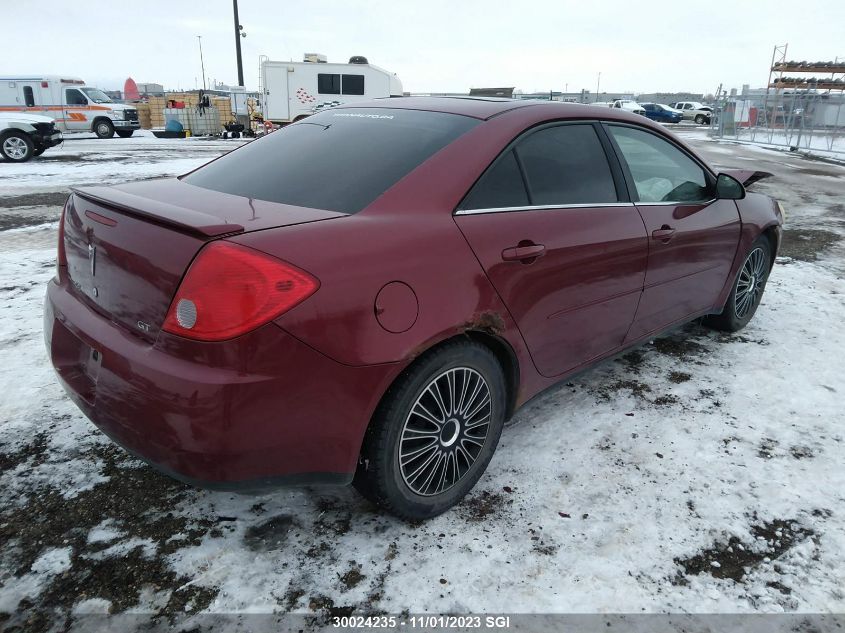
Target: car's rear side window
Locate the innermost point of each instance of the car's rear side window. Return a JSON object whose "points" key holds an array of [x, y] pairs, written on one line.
{"points": [[501, 186], [566, 164], [340, 160]]}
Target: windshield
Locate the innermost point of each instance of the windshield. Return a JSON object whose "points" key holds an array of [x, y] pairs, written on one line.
{"points": [[340, 160], [96, 95]]}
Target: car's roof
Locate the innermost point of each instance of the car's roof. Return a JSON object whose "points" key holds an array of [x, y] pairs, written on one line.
{"points": [[483, 107]]}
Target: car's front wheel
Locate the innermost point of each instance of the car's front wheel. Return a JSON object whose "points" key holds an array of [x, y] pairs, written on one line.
{"points": [[435, 432], [104, 128], [16, 147], [700, 119], [747, 289]]}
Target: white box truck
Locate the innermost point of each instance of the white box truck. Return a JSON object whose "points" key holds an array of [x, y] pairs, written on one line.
{"points": [[292, 90], [74, 106]]}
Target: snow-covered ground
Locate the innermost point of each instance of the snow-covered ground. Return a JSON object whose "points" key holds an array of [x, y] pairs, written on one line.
{"points": [[703, 473], [818, 142]]}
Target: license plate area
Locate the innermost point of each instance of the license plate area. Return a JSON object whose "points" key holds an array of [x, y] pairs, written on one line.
{"points": [[90, 361], [76, 362]]}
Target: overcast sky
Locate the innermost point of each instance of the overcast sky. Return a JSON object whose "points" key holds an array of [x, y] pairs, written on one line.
{"points": [[434, 46]]}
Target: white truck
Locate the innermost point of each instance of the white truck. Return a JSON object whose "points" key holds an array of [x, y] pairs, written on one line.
{"points": [[74, 106], [293, 90]]}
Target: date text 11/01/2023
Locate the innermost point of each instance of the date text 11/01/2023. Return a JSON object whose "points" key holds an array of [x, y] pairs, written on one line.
{"points": [[423, 622]]}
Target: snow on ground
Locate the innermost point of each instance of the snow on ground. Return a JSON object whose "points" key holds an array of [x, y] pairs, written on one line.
{"points": [[81, 160], [701, 473]]}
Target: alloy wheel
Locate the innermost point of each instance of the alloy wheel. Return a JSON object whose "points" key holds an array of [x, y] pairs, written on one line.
{"points": [[445, 431], [15, 148], [749, 286]]}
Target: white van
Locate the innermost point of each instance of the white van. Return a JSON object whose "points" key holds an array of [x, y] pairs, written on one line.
{"points": [[292, 90], [74, 106]]}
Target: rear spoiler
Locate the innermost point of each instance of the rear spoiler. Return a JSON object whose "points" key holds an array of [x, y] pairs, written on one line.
{"points": [[187, 220], [747, 176]]}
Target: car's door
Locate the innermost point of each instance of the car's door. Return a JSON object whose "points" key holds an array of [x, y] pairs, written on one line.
{"points": [[693, 236], [552, 226], [76, 110]]}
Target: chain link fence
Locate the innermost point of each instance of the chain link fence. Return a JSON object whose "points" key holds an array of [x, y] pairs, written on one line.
{"points": [[807, 120]]}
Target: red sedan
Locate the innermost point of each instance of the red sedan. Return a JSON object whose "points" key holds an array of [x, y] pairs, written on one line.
{"points": [[367, 295]]}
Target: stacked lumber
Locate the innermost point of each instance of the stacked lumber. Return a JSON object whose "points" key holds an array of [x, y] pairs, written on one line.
{"points": [[223, 105], [224, 108], [144, 115], [157, 105]]}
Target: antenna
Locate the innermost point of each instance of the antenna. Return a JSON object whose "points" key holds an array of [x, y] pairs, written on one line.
{"points": [[202, 63]]}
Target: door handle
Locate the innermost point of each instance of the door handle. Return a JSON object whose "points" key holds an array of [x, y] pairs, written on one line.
{"points": [[523, 253], [664, 233]]}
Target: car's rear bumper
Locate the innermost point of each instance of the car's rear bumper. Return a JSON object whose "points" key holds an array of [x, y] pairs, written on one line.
{"points": [[260, 410]]}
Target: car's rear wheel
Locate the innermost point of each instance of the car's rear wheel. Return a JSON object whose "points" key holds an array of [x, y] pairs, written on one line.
{"points": [[435, 432], [16, 147], [747, 290]]}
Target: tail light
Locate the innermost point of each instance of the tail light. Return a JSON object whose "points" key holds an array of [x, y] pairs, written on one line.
{"points": [[231, 289], [61, 258]]}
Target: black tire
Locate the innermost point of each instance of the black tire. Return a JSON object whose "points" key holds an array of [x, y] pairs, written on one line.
{"points": [[16, 146], [751, 278], [124, 133], [38, 151], [700, 119], [103, 128], [451, 443]]}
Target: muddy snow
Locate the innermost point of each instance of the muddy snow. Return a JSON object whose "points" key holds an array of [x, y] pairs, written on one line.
{"points": [[701, 473]]}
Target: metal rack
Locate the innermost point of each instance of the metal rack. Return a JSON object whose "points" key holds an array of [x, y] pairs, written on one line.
{"points": [[797, 107]]}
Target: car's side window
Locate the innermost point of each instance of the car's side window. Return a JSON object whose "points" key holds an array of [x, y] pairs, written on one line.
{"points": [[566, 164], [501, 186], [661, 172], [74, 97]]}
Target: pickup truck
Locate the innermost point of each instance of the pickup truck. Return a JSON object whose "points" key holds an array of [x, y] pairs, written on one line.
{"points": [[627, 104], [695, 111]]}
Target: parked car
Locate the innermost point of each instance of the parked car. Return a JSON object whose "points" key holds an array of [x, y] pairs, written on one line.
{"points": [[630, 106], [366, 296], [694, 111], [23, 136], [662, 113]]}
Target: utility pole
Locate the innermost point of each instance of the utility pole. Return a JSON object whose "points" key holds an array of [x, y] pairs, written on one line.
{"points": [[598, 83], [202, 63], [238, 35]]}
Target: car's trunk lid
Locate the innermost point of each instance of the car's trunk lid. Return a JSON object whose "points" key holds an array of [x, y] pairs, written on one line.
{"points": [[127, 247]]}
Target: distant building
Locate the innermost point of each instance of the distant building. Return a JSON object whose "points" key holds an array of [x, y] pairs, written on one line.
{"points": [[669, 97], [506, 93], [151, 90], [551, 95]]}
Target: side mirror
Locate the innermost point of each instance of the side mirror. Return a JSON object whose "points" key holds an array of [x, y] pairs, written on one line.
{"points": [[729, 188]]}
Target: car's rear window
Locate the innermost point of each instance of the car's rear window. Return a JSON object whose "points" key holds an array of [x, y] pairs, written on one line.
{"points": [[340, 160]]}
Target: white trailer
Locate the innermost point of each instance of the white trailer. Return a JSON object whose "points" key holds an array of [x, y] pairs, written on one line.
{"points": [[74, 106], [292, 90]]}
